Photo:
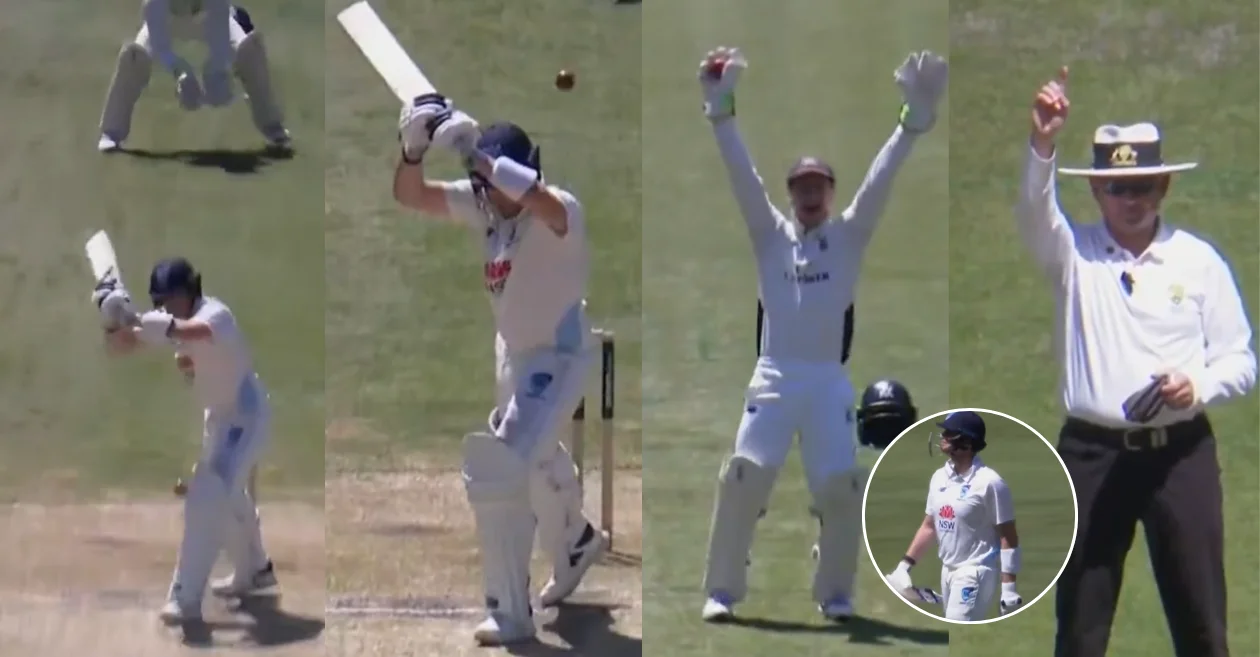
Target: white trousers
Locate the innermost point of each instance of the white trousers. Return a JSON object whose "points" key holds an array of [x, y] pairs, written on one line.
{"points": [[811, 400], [969, 591]]}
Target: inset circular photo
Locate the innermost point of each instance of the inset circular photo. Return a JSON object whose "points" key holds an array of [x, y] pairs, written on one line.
{"points": [[970, 516]]}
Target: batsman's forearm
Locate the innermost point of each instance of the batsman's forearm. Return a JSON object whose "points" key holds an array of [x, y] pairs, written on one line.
{"points": [[216, 28], [919, 544], [409, 183]]}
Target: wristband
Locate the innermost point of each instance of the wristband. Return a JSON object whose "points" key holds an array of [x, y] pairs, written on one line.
{"points": [[909, 561], [512, 178], [1010, 561], [409, 161], [904, 114]]}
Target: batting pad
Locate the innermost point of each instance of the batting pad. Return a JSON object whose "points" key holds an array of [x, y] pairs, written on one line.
{"points": [[743, 491], [496, 480], [556, 499], [205, 512], [253, 70], [838, 507], [131, 76]]}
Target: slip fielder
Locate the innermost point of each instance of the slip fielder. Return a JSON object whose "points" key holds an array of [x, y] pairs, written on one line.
{"points": [[218, 510], [518, 475], [235, 48], [971, 515], [807, 263]]}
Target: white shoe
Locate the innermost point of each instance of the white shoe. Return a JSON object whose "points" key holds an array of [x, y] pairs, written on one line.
{"points": [[174, 613], [564, 581], [108, 144], [232, 586], [838, 609], [717, 610], [500, 631]]}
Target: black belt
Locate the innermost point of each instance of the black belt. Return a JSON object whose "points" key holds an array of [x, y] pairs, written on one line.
{"points": [[1140, 438]]}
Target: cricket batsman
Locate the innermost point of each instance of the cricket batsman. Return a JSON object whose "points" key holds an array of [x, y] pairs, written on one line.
{"points": [[235, 49], [807, 263], [971, 515], [218, 510], [533, 236]]}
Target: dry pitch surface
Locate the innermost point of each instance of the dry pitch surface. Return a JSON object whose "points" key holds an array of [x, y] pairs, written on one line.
{"points": [[404, 573], [89, 579]]}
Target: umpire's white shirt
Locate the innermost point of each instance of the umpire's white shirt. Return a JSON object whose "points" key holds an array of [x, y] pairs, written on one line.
{"points": [[966, 508], [1181, 312], [807, 281]]}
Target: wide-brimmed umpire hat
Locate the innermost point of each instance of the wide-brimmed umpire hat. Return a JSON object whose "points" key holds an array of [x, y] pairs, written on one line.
{"points": [[1122, 151], [810, 166]]}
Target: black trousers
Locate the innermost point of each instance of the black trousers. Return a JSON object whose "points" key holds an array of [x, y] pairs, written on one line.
{"points": [[1171, 482]]}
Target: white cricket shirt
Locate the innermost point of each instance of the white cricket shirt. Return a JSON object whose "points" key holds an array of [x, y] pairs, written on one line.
{"points": [[536, 279], [966, 509], [208, 21], [806, 281], [1182, 311], [225, 382]]}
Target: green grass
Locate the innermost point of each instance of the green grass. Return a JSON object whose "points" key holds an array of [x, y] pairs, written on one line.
{"points": [[1191, 66], [1044, 508], [410, 335], [73, 422], [820, 82]]}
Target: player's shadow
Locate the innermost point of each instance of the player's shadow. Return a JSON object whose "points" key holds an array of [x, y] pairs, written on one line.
{"points": [[860, 629], [588, 627], [270, 626], [233, 161]]}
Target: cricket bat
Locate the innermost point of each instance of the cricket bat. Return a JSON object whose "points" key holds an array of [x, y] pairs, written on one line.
{"points": [[382, 50], [100, 255]]}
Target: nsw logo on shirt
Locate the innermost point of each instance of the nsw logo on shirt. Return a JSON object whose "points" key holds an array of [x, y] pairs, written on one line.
{"points": [[945, 519], [496, 275]]}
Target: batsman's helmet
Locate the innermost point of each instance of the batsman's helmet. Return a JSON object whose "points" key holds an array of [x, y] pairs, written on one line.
{"points": [[963, 429], [173, 276], [885, 411], [511, 141]]}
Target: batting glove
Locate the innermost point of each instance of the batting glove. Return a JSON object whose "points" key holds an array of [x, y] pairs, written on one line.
{"points": [[922, 78], [188, 90], [218, 82], [418, 120], [719, 73], [1010, 598], [155, 327], [457, 133], [899, 578]]}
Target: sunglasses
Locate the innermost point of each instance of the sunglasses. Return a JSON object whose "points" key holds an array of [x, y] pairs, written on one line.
{"points": [[1129, 188]]}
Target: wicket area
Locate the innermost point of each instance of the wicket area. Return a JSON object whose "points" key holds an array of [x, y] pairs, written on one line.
{"points": [[607, 412]]}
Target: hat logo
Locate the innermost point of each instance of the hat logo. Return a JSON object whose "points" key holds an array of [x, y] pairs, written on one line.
{"points": [[1124, 156]]}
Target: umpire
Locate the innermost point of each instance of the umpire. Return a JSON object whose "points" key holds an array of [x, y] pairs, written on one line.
{"points": [[1151, 330]]}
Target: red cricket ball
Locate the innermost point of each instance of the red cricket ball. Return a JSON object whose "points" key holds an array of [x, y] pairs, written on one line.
{"points": [[715, 68]]}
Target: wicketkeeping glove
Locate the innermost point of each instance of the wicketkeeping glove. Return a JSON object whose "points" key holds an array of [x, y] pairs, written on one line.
{"points": [[218, 83], [419, 119], [1010, 598], [188, 90], [718, 83], [922, 78]]}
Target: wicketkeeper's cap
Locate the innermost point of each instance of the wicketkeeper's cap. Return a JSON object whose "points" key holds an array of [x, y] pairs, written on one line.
{"points": [[810, 166]]}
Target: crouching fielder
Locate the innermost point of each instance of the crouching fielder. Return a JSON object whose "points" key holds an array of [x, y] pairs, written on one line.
{"points": [[971, 515], [218, 511], [235, 48], [807, 264], [536, 268]]}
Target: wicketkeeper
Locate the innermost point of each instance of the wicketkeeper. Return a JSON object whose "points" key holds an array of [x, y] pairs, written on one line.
{"points": [[536, 266], [971, 515], [235, 49], [218, 510], [808, 262]]}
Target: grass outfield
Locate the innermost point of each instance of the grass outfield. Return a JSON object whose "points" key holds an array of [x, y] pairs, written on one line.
{"points": [[89, 445], [1191, 66], [819, 81], [1044, 507], [410, 335]]}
